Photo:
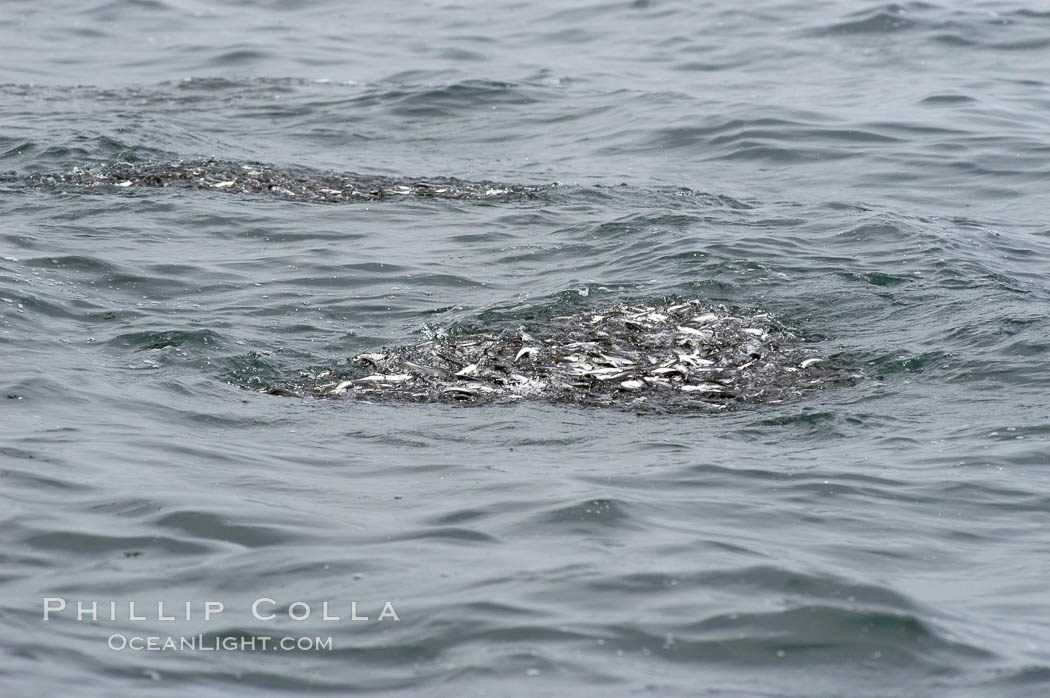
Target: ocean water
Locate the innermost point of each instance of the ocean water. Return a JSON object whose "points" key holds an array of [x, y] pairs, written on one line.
{"points": [[875, 175]]}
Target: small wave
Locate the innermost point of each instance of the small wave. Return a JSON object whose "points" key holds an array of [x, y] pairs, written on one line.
{"points": [[882, 19], [144, 341]]}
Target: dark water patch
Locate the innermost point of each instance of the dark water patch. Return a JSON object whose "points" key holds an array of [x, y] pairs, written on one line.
{"points": [[458, 517], [486, 237], [1038, 44], [883, 20], [656, 198], [27, 305], [75, 146], [814, 492], [893, 364], [451, 534], [445, 101], [107, 316], [806, 588], [145, 341], [877, 279], [1020, 683], [585, 515], [131, 507], [910, 129], [778, 141], [202, 525], [73, 263], [824, 635], [948, 100], [35, 481], [462, 55], [254, 370], [989, 375], [187, 95], [111, 10], [237, 57], [955, 40], [40, 388], [999, 499], [803, 419], [96, 544], [708, 66], [14, 147]]}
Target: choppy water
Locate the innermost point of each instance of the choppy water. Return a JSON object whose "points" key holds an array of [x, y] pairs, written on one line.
{"points": [[874, 174]]}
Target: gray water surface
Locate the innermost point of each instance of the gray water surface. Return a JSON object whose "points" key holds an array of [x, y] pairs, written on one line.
{"points": [[875, 175]]}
